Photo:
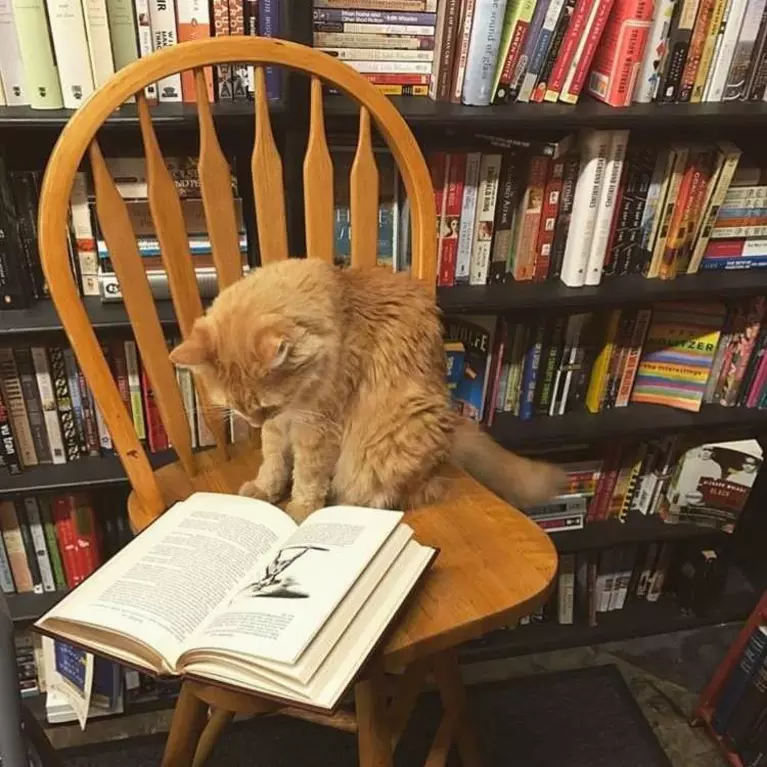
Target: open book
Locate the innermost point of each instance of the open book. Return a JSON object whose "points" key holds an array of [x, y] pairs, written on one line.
{"points": [[229, 590]]}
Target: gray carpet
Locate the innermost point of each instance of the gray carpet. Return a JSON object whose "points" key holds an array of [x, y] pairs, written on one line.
{"points": [[582, 718]]}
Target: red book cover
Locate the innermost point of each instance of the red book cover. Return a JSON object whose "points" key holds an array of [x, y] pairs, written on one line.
{"points": [[548, 220], [695, 51], [567, 51], [438, 168], [156, 434], [120, 371], [583, 66], [600, 503], [677, 227], [450, 220], [65, 532], [86, 535], [620, 52]]}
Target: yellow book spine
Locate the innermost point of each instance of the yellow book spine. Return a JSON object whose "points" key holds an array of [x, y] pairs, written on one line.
{"points": [[598, 381]]}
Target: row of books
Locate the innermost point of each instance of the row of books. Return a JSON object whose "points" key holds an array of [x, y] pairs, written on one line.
{"points": [[599, 206], [479, 52], [593, 583], [672, 478], [53, 543], [740, 714], [48, 414], [55, 53], [675, 354]]}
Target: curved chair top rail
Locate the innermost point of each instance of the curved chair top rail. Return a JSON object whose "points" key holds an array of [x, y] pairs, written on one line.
{"points": [[79, 138]]}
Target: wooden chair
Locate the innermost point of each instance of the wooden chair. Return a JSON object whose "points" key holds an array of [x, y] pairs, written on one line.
{"points": [[495, 565]]}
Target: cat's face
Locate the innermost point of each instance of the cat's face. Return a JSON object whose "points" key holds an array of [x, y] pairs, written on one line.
{"points": [[257, 366]]}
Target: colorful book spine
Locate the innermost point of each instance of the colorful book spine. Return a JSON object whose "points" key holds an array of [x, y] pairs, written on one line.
{"points": [[162, 18], [719, 72], [14, 546], [531, 209], [468, 211], [634, 351], [462, 50], [483, 52], [646, 88], [525, 57], [133, 373], [678, 47], [549, 214], [519, 26], [451, 219], [269, 26], [552, 56], [619, 57], [145, 41], [78, 406], [64, 402], [17, 409], [562, 225], [483, 224], [505, 214], [712, 35], [446, 35], [695, 50], [41, 77], [530, 374], [194, 24], [37, 534], [53, 546], [9, 453], [48, 401], [541, 49]]}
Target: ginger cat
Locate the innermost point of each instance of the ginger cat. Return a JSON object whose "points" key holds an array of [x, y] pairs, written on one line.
{"points": [[344, 371]]}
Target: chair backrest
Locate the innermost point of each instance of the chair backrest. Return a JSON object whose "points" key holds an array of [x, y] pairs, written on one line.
{"points": [[79, 138]]}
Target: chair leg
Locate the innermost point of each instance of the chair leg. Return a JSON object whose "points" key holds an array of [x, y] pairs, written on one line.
{"points": [[214, 729], [189, 719], [447, 675], [373, 738]]}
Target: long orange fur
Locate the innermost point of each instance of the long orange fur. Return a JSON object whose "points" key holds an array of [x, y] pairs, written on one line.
{"points": [[344, 371]]}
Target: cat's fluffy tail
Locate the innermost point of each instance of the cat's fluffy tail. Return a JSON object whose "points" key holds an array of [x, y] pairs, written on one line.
{"points": [[520, 481]]}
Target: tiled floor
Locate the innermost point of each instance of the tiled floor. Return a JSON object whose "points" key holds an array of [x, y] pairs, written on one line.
{"points": [[665, 674]]}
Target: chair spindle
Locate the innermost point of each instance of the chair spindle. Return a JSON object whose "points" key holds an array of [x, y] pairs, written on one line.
{"points": [[139, 303], [217, 196], [363, 203], [318, 183], [268, 186]]}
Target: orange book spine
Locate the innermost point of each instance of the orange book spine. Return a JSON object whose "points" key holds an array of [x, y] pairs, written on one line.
{"points": [[532, 208], [695, 51]]}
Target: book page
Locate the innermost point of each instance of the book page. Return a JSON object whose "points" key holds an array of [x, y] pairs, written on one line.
{"points": [[278, 612], [161, 587]]}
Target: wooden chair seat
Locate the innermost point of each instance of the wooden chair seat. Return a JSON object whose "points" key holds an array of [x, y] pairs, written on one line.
{"points": [[494, 566]]}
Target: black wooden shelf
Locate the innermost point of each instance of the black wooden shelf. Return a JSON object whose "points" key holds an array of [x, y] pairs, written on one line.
{"points": [[25, 608], [85, 472], [237, 114], [636, 619], [635, 422], [636, 529], [424, 113], [42, 317], [619, 291], [526, 296]]}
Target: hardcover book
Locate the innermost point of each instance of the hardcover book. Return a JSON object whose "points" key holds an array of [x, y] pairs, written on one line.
{"points": [[293, 616], [678, 354]]}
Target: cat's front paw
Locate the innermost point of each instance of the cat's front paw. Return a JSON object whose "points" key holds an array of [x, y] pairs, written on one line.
{"points": [[251, 489], [299, 508]]}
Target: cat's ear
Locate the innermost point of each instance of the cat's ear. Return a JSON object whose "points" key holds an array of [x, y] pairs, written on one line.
{"points": [[196, 350], [274, 349]]}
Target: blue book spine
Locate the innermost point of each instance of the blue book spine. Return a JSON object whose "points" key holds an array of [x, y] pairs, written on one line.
{"points": [[740, 676], [269, 26], [74, 394], [353, 16], [530, 374], [533, 32], [483, 52], [733, 264]]}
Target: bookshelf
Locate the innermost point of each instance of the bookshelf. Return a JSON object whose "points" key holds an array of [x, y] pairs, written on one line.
{"points": [[442, 122]]}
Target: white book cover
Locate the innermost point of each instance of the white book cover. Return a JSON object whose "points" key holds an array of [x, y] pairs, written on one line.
{"points": [[83, 231], [594, 148], [483, 52], [483, 221], [378, 54], [463, 39], [105, 438], [99, 41], [721, 69], [41, 77], [38, 541], [144, 35], [606, 207], [717, 49], [11, 67], [48, 402], [71, 47], [646, 86], [468, 209], [162, 17]]}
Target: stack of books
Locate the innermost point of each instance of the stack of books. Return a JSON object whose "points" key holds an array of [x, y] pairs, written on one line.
{"points": [[392, 44]]}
